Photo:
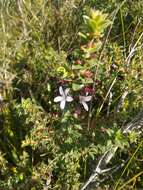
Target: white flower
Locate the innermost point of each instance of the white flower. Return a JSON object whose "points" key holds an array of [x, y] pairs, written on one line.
{"points": [[63, 98], [83, 100]]}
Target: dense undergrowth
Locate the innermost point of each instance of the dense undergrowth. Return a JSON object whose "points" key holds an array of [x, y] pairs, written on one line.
{"points": [[94, 49]]}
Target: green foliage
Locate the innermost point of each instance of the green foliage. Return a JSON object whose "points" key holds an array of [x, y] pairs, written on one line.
{"points": [[47, 44], [96, 23]]}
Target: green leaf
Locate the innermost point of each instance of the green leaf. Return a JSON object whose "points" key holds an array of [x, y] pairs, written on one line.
{"points": [[76, 87], [87, 81], [82, 35], [77, 67], [96, 22]]}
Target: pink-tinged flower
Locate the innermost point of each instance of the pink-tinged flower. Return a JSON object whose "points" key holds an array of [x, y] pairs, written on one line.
{"points": [[84, 99], [63, 98]]}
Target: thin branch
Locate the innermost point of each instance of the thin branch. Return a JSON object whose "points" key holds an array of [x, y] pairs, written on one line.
{"points": [[122, 99], [137, 125]]}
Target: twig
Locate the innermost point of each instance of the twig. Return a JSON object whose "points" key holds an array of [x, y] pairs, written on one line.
{"points": [[135, 124], [134, 48], [109, 90], [122, 99], [100, 168], [109, 103]]}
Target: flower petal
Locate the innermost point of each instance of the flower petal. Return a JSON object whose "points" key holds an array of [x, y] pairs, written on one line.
{"points": [[87, 98], [61, 91], [67, 91], [81, 98], [62, 104], [85, 105], [69, 99], [58, 99]]}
